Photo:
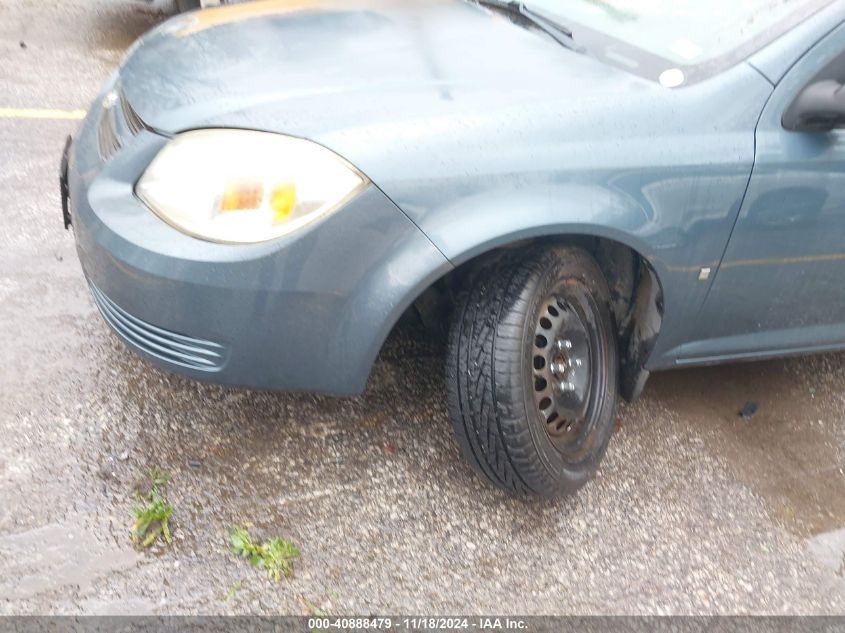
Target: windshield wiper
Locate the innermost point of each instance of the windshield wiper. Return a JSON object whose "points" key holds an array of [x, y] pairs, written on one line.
{"points": [[516, 9]]}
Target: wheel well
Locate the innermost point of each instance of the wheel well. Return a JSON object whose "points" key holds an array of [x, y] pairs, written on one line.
{"points": [[635, 294]]}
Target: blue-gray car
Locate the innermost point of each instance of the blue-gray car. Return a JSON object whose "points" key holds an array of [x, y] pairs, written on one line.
{"points": [[581, 192]]}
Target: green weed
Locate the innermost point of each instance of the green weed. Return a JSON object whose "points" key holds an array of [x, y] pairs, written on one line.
{"points": [[152, 517], [275, 556]]}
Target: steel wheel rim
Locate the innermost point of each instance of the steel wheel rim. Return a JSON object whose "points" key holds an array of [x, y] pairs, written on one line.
{"points": [[564, 372]]}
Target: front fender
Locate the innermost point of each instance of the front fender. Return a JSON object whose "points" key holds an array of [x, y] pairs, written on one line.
{"points": [[469, 226], [472, 225]]}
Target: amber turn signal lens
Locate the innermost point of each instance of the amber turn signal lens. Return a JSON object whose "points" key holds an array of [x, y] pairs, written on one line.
{"points": [[241, 195], [283, 201]]}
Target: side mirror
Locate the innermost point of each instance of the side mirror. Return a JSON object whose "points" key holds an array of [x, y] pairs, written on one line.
{"points": [[818, 108]]}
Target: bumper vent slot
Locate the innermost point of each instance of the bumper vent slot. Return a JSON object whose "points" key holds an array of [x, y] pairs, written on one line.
{"points": [[178, 349]]}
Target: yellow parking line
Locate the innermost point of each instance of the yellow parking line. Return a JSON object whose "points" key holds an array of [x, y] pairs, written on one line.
{"points": [[40, 113]]}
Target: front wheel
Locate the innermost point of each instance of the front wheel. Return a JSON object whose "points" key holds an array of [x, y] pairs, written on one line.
{"points": [[532, 370]]}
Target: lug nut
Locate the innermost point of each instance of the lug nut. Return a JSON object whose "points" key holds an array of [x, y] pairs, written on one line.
{"points": [[567, 386], [564, 344]]}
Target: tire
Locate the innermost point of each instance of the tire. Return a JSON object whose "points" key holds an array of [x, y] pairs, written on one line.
{"points": [[496, 391]]}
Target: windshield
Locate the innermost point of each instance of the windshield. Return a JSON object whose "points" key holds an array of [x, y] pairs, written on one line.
{"points": [[654, 36]]}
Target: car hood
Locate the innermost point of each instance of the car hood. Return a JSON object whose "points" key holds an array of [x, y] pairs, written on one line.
{"points": [[319, 69]]}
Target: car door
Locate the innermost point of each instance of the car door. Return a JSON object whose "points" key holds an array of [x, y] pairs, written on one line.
{"points": [[780, 286]]}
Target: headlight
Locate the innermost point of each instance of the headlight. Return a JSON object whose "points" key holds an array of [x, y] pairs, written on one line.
{"points": [[239, 186]]}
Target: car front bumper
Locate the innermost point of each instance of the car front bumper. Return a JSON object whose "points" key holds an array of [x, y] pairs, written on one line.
{"points": [[305, 312]]}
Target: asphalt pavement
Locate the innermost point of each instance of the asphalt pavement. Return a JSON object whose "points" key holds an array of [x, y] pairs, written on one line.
{"points": [[696, 509]]}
